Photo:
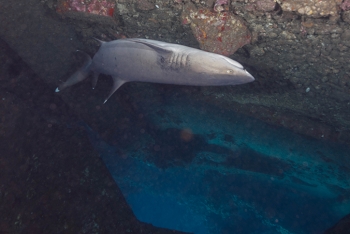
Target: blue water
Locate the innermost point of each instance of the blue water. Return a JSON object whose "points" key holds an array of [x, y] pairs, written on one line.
{"points": [[193, 167]]}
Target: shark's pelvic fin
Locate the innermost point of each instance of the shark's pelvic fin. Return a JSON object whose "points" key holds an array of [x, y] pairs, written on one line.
{"points": [[116, 84]]}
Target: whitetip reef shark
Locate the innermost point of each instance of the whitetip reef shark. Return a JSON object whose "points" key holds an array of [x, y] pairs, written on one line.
{"points": [[147, 60]]}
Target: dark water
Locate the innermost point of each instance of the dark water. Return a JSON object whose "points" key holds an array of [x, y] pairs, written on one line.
{"points": [[203, 170]]}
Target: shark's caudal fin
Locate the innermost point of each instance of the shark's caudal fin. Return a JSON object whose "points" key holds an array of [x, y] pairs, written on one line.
{"points": [[79, 75]]}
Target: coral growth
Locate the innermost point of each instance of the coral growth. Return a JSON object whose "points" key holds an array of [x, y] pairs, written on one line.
{"points": [[97, 7], [345, 6], [218, 6]]}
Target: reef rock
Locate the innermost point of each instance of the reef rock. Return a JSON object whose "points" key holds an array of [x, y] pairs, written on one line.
{"points": [[222, 32]]}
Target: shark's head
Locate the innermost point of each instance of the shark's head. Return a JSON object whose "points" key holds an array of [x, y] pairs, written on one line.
{"points": [[220, 70]]}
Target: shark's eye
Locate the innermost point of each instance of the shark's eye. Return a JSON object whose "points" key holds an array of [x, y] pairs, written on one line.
{"points": [[229, 71]]}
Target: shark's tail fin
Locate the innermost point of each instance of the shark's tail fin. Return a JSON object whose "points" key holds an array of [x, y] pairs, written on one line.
{"points": [[79, 75]]}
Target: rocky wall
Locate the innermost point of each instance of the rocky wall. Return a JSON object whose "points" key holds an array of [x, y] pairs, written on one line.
{"points": [[297, 50]]}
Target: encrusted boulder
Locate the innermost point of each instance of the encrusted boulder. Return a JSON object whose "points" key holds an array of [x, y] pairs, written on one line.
{"points": [[218, 32]]}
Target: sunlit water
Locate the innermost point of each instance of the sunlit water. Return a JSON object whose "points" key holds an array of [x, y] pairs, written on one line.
{"points": [[240, 175]]}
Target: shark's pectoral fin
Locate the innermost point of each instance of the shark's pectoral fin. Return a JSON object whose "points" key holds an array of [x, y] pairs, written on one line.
{"points": [[116, 84]]}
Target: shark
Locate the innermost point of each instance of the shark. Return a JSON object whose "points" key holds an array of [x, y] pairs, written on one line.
{"points": [[145, 60]]}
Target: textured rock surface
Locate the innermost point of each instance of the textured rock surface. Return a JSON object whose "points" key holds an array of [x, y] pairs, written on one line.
{"points": [[261, 5], [312, 8], [345, 5], [40, 40]]}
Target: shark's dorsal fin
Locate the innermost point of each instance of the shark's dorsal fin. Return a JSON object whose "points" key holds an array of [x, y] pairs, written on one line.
{"points": [[98, 40], [160, 49]]}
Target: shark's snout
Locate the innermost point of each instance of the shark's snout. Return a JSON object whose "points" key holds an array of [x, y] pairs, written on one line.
{"points": [[249, 76]]}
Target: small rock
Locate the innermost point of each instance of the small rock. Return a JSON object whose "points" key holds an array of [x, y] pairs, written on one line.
{"points": [[145, 5]]}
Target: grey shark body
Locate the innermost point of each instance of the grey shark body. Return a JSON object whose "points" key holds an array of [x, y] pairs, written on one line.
{"points": [[146, 60]]}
